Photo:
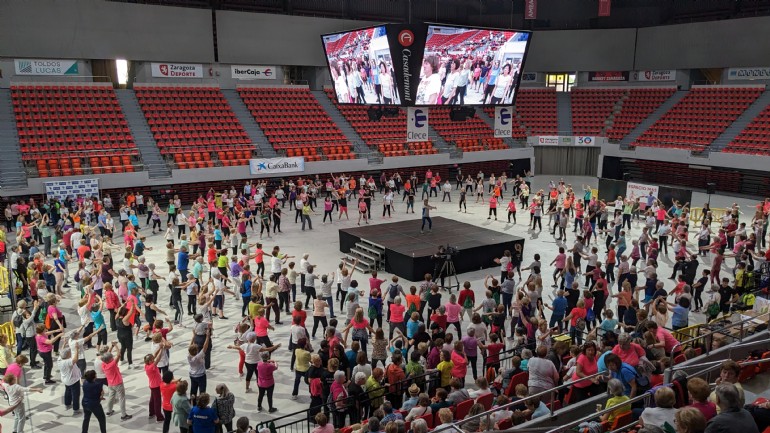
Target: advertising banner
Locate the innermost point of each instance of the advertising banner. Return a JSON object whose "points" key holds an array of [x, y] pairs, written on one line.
{"points": [[548, 140], [608, 76], [530, 9], [605, 7], [659, 75], [503, 122], [406, 42], [46, 67], [748, 73], [177, 70], [585, 141], [529, 77], [241, 72], [72, 188], [416, 124], [639, 190], [277, 165]]}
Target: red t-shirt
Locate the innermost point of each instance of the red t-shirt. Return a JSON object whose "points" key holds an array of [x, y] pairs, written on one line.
{"points": [[493, 352], [153, 375], [167, 391], [588, 367], [302, 314], [112, 373], [397, 313]]}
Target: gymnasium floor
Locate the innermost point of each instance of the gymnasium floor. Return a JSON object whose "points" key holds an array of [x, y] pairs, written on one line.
{"points": [[47, 408]]}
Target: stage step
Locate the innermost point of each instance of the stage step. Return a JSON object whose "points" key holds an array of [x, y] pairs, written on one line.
{"points": [[376, 250], [361, 266]]}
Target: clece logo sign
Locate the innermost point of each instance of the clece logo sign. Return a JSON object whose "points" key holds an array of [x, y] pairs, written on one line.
{"points": [[417, 126], [406, 38], [253, 72], [503, 123]]}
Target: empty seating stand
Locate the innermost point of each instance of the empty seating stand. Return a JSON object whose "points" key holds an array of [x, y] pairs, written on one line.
{"points": [[193, 124], [591, 109], [700, 117], [387, 135], [295, 123], [638, 104], [755, 137], [65, 128], [536, 109], [472, 135]]}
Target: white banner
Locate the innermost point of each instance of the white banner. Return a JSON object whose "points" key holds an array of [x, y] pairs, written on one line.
{"points": [[277, 165], [416, 124], [72, 188], [640, 190], [177, 70], [503, 122], [548, 140], [585, 141], [762, 73], [659, 75], [46, 67], [241, 72]]}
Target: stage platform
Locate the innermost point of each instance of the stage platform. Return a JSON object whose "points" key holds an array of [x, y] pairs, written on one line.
{"points": [[408, 253]]}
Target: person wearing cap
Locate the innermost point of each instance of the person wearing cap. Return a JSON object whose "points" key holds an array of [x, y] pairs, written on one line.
{"points": [[414, 398]]}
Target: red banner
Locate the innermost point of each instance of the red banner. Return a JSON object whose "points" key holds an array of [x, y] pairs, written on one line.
{"points": [[530, 9], [604, 8]]}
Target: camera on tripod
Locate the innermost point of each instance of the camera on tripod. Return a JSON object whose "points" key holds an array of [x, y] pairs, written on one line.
{"points": [[448, 251]]}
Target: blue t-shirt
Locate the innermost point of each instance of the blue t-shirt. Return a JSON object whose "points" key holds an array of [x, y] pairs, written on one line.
{"points": [[246, 289], [59, 265], [92, 392], [134, 220], [203, 419], [139, 249], [680, 316], [217, 235], [98, 318], [411, 328], [626, 374], [600, 365], [182, 261], [559, 306], [351, 355]]}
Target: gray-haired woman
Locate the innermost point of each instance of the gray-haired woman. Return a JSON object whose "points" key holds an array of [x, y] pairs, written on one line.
{"points": [[224, 405]]}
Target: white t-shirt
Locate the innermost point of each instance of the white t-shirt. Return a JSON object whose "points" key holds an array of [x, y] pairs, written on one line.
{"points": [[70, 373], [163, 362], [252, 350], [428, 86], [275, 265], [504, 260], [502, 85]]}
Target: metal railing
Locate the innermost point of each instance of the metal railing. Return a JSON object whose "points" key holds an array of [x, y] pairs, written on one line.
{"points": [[552, 393], [300, 422], [723, 330], [593, 416]]}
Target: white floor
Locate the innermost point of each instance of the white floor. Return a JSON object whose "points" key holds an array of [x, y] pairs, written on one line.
{"points": [[47, 408]]}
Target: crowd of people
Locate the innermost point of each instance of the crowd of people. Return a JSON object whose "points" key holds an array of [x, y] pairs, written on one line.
{"points": [[378, 350]]}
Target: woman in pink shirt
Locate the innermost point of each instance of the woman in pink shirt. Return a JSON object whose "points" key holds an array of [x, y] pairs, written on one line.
{"points": [[261, 326], [265, 381], [460, 361], [453, 314], [45, 348], [628, 351], [55, 319], [396, 312], [492, 207], [586, 366]]}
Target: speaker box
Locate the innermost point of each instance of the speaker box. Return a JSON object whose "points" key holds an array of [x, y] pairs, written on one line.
{"points": [[626, 176], [711, 188]]}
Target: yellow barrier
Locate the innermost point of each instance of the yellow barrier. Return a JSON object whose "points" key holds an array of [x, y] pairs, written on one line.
{"points": [[8, 329], [696, 214], [688, 333], [563, 337]]}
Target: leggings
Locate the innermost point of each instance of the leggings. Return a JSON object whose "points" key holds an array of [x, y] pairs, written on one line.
{"points": [[245, 307], [251, 370], [47, 364], [316, 321], [177, 304], [472, 362], [662, 244], [309, 293], [298, 375], [328, 213], [512, 214], [126, 348], [492, 211], [192, 301], [181, 230], [385, 208], [269, 392], [457, 326]]}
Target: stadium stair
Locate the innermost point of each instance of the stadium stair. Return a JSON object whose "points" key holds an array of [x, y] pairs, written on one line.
{"points": [[564, 113], [741, 122], [360, 148], [250, 125], [143, 138], [12, 172], [438, 141], [651, 119], [491, 122]]}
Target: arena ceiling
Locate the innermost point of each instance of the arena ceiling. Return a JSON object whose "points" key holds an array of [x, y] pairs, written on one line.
{"points": [[551, 14]]}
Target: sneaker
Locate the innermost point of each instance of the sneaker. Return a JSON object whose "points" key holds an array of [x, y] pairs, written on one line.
{"points": [[110, 413], [77, 412], [50, 382], [279, 323], [259, 409], [223, 317], [68, 407], [272, 410], [248, 390], [126, 417], [293, 397]]}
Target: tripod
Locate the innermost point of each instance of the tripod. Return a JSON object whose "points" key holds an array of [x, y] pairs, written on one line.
{"points": [[448, 270]]}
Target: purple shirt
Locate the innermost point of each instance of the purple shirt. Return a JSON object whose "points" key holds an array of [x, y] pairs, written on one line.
{"points": [[235, 269], [471, 345]]}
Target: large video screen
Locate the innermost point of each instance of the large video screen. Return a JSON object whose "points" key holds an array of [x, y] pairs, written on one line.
{"points": [[361, 67], [471, 66]]}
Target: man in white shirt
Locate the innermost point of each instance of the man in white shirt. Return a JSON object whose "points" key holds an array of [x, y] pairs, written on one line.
{"points": [[70, 377], [446, 188]]}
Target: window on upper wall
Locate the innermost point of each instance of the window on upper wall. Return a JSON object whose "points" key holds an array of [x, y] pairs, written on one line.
{"points": [[122, 67], [561, 82]]}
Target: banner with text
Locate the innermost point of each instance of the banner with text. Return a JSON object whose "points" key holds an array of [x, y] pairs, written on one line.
{"points": [[177, 70], [529, 77], [72, 188], [530, 9], [46, 67], [659, 75], [416, 124], [503, 122], [748, 74], [241, 72], [605, 6], [277, 165], [640, 190], [585, 141], [548, 140], [608, 76]]}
